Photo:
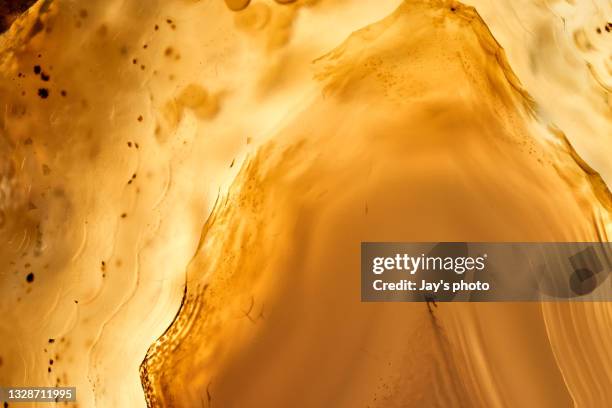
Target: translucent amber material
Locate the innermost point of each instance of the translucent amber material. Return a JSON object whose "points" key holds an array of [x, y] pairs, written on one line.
{"points": [[184, 186]]}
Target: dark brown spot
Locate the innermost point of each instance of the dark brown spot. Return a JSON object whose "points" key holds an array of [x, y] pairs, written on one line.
{"points": [[44, 76], [30, 277], [43, 93], [51, 341], [37, 69], [140, 118]]}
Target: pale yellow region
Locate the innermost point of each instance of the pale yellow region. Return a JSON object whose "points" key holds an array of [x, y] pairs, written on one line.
{"points": [[563, 55]]}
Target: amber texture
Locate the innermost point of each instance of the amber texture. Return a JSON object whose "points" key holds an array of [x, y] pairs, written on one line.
{"points": [[184, 186]]}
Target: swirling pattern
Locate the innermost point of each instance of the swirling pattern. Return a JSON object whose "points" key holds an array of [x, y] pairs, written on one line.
{"points": [[184, 185]]}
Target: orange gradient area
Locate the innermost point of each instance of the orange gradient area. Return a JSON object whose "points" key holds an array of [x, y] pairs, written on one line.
{"points": [[184, 187]]}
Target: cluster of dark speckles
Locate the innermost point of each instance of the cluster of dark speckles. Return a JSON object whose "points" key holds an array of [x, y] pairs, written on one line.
{"points": [[132, 179], [54, 357], [42, 92], [38, 71], [135, 62], [169, 51], [607, 27]]}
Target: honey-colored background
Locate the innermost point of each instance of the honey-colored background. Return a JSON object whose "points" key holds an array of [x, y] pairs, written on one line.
{"points": [[190, 198]]}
